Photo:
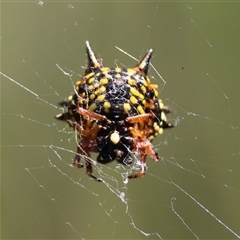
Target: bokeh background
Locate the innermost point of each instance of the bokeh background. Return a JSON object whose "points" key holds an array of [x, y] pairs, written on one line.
{"points": [[194, 192]]}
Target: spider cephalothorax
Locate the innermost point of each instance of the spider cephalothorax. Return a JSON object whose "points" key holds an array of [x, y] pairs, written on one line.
{"points": [[116, 112]]}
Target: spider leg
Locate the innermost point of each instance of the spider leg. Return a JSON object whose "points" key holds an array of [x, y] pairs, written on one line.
{"points": [[166, 109], [77, 158], [85, 146], [142, 170], [138, 118], [92, 115], [89, 171], [145, 148]]}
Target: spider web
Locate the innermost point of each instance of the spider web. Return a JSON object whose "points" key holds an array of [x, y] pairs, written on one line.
{"points": [[193, 192]]}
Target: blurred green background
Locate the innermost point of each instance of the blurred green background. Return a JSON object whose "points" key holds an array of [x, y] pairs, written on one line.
{"points": [[194, 192]]}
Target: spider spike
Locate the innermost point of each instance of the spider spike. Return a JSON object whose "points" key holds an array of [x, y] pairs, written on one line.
{"points": [[143, 66], [93, 63]]}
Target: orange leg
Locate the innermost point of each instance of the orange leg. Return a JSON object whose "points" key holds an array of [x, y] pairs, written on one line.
{"points": [[90, 171], [138, 118], [88, 132], [77, 158], [142, 171], [92, 115], [145, 148], [84, 148]]}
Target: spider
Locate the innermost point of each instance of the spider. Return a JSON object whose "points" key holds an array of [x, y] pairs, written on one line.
{"points": [[116, 112]]}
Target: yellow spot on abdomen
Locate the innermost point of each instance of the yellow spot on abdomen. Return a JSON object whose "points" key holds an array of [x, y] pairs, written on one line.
{"points": [[101, 90], [96, 85], [143, 89], [106, 106], [100, 98], [104, 81], [91, 80], [92, 107], [132, 82], [117, 76], [134, 91], [140, 110], [92, 96], [126, 107], [133, 100]]}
